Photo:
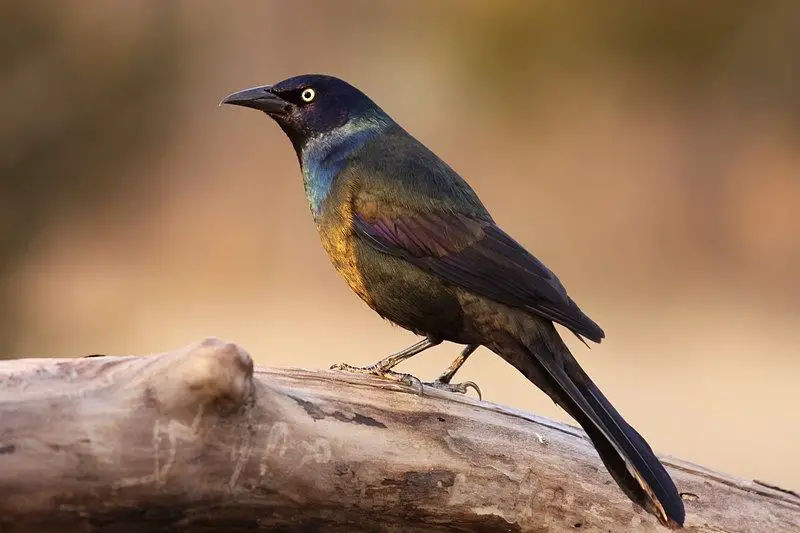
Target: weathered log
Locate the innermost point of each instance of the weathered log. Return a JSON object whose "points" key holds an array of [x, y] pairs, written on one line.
{"points": [[195, 440]]}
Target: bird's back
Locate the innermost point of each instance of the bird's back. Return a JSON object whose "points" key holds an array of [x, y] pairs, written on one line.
{"points": [[395, 172]]}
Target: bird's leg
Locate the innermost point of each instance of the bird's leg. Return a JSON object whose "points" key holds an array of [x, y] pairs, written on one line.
{"points": [[443, 381], [383, 368], [459, 361]]}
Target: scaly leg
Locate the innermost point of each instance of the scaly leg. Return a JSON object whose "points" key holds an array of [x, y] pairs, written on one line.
{"points": [[383, 368], [443, 381]]}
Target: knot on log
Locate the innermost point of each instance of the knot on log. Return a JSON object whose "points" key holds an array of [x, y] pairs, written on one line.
{"points": [[211, 371]]}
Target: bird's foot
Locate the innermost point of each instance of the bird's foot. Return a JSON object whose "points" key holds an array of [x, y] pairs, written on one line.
{"points": [[461, 388], [381, 372]]}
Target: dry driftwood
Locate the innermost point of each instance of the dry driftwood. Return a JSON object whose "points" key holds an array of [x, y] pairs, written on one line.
{"points": [[194, 440]]}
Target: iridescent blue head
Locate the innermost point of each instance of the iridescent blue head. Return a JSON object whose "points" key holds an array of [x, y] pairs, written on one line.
{"points": [[309, 106]]}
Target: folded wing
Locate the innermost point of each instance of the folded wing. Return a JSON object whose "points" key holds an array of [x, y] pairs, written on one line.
{"points": [[478, 256]]}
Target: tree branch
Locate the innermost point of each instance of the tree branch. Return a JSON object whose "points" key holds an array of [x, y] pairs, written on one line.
{"points": [[193, 439]]}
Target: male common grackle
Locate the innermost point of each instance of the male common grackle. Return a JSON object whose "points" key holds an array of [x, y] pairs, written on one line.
{"points": [[413, 240]]}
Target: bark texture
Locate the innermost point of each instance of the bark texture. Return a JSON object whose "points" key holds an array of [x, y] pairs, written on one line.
{"points": [[195, 440]]}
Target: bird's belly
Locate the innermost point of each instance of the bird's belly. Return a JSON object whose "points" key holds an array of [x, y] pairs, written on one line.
{"points": [[408, 296]]}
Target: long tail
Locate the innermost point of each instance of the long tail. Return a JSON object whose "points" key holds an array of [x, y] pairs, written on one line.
{"points": [[548, 363]]}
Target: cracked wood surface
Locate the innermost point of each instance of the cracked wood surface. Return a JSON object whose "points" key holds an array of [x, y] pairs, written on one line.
{"points": [[195, 440]]}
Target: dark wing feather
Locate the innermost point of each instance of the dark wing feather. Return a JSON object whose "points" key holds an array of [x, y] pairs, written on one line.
{"points": [[480, 257]]}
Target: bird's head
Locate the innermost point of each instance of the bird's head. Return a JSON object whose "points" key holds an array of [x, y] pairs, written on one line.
{"points": [[309, 105]]}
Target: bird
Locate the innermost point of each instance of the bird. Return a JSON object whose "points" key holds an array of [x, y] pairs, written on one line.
{"points": [[413, 240]]}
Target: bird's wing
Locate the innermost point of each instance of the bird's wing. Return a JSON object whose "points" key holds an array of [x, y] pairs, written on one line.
{"points": [[478, 256]]}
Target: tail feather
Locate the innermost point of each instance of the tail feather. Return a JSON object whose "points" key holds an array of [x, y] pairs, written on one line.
{"points": [[662, 497], [626, 455]]}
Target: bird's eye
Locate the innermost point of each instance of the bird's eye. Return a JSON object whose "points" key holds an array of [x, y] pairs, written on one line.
{"points": [[308, 95]]}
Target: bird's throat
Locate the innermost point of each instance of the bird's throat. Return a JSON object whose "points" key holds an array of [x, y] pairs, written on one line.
{"points": [[326, 155]]}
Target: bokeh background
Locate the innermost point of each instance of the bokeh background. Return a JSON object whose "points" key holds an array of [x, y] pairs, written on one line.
{"points": [[648, 153]]}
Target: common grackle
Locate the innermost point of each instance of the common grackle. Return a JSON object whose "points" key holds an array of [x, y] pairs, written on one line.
{"points": [[413, 240]]}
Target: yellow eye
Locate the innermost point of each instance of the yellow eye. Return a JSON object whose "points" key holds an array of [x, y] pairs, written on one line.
{"points": [[308, 95]]}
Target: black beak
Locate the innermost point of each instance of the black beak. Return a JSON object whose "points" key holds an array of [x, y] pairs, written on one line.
{"points": [[261, 98]]}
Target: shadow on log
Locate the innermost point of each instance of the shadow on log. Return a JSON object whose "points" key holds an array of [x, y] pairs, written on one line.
{"points": [[195, 440]]}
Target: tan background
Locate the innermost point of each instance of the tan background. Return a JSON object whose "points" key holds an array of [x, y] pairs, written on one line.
{"points": [[652, 159]]}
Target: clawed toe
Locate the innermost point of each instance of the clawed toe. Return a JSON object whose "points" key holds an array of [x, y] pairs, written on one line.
{"points": [[381, 371], [376, 370], [461, 388], [407, 379], [344, 367]]}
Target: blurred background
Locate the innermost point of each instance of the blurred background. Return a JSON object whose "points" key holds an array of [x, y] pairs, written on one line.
{"points": [[648, 153]]}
